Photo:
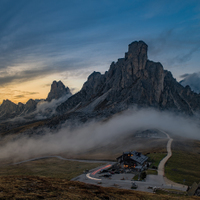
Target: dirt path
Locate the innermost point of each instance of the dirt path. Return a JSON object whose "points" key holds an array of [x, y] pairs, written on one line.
{"points": [[161, 166]]}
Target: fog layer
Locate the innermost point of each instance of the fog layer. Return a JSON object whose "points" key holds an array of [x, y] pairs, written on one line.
{"points": [[92, 134]]}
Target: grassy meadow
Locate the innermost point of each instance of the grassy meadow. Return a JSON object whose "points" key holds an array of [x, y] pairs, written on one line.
{"points": [[184, 165], [49, 167]]}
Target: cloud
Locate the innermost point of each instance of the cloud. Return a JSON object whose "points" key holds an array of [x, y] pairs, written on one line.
{"points": [[52, 37], [46, 109], [193, 80], [184, 75], [16, 94], [19, 96], [91, 135], [16, 76], [182, 58], [23, 94]]}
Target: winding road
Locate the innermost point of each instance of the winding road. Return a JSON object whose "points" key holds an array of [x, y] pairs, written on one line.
{"points": [[61, 158]]}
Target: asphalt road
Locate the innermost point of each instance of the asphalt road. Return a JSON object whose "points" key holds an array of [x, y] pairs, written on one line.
{"points": [[123, 180], [59, 157]]}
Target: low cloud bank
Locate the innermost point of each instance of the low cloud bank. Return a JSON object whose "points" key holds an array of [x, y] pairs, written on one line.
{"points": [[46, 109], [92, 134], [43, 110], [193, 80]]}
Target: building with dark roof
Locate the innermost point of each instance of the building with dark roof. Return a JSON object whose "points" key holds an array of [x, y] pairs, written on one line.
{"points": [[132, 159]]}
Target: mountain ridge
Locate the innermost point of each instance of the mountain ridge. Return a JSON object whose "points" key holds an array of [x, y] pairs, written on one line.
{"points": [[133, 81], [9, 110]]}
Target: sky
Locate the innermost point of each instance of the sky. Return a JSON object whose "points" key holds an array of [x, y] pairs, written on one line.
{"points": [[46, 40]]}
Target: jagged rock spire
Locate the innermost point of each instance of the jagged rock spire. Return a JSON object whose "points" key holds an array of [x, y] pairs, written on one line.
{"points": [[57, 90], [133, 81]]}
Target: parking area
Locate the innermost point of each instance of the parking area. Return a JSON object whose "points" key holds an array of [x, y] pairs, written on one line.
{"points": [[106, 177]]}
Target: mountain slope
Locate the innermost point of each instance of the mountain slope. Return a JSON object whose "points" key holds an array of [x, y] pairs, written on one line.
{"points": [[132, 81]]}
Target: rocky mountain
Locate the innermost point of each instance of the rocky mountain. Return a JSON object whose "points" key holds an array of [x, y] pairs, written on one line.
{"points": [[30, 106], [58, 90], [132, 81], [9, 110]]}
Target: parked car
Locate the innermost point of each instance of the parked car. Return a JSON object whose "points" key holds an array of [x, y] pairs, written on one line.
{"points": [[107, 175], [103, 171], [134, 185]]}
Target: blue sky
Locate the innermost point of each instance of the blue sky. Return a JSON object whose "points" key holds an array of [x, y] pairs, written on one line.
{"points": [[43, 40]]}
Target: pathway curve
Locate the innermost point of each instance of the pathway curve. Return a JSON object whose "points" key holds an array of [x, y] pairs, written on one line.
{"points": [[161, 166], [59, 157]]}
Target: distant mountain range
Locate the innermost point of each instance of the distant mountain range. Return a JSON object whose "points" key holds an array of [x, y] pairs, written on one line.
{"points": [[132, 81], [33, 108]]}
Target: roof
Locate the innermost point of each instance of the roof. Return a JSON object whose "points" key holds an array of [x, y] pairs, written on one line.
{"points": [[138, 167], [138, 157]]}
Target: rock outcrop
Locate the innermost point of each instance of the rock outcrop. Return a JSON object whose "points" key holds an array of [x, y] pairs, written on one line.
{"points": [[30, 106], [132, 81], [8, 109], [58, 90]]}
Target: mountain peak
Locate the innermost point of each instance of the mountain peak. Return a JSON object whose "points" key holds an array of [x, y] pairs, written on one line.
{"points": [[137, 45], [57, 90], [137, 53], [7, 102]]}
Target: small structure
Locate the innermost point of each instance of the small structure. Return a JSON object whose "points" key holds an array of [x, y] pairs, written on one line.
{"points": [[132, 160]]}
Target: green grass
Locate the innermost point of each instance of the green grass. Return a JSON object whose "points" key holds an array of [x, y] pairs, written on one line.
{"points": [[135, 178], [154, 172], [183, 167], [140, 176], [51, 167], [171, 192], [155, 158]]}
